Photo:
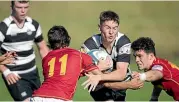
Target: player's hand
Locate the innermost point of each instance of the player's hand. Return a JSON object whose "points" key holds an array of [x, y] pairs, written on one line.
{"points": [[2, 58], [135, 74], [135, 83], [104, 64], [11, 77], [8, 58], [7, 61], [10, 54], [92, 82]]}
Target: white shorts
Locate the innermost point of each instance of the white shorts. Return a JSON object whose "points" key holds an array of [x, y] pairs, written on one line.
{"points": [[43, 99]]}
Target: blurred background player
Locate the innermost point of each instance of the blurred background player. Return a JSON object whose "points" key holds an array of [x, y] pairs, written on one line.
{"points": [[162, 73], [118, 46], [62, 68], [18, 32]]}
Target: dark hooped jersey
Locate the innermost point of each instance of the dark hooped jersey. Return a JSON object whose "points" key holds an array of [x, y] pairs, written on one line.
{"points": [[120, 52], [170, 80], [62, 69], [20, 40]]}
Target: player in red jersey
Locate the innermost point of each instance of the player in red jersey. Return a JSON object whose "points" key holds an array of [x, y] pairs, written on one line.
{"points": [[62, 68], [162, 73]]}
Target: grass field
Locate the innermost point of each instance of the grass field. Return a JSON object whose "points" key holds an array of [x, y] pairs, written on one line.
{"points": [[156, 19]]}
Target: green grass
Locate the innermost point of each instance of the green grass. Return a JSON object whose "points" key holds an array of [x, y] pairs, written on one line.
{"points": [[158, 20]]}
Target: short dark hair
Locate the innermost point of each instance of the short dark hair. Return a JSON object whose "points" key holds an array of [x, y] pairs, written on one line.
{"points": [[144, 43], [58, 37], [20, 1], [108, 15]]}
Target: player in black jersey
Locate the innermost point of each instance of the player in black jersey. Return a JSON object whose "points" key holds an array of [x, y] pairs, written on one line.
{"points": [[117, 45], [18, 32]]}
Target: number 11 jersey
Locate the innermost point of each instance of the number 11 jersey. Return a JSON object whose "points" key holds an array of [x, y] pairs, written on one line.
{"points": [[62, 69]]}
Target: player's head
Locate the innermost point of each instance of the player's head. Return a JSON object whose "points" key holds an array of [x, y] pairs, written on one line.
{"points": [[144, 52], [19, 9], [109, 25], [58, 37]]}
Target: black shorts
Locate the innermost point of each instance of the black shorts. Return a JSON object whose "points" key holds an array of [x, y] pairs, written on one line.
{"points": [[25, 86], [106, 94]]}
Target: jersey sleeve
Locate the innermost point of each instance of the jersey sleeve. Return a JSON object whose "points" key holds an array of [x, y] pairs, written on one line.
{"points": [[158, 67], [1, 38], [87, 63], [3, 29], [38, 36], [123, 48]]}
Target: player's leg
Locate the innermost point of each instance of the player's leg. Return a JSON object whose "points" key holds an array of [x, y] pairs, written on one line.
{"points": [[24, 87], [103, 94], [32, 81], [119, 95], [18, 91]]}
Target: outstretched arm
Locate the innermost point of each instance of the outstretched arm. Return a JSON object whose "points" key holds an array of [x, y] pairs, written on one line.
{"points": [[133, 84], [151, 75], [93, 81]]}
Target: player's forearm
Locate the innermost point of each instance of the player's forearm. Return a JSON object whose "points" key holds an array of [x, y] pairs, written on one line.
{"points": [[95, 72], [113, 76], [151, 76], [118, 85], [2, 68]]}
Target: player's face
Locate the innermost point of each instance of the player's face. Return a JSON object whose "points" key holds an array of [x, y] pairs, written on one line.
{"points": [[109, 30], [20, 10], [142, 59]]}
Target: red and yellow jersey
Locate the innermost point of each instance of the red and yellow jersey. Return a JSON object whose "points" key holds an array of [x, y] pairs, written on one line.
{"points": [[170, 80], [61, 70]]}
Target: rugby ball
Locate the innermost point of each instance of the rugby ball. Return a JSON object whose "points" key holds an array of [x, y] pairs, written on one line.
{"points": [[96, 54]]}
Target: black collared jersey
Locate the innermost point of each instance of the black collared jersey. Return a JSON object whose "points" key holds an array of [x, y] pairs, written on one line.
{"points": [[120, 52], [20, 40]]}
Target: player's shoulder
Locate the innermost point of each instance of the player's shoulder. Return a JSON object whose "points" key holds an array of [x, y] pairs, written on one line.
{"points": [[159, 64], [122, 37], [160, 61], [6, 21], [4, 24], [122, 40], [92, 42], [72, 50], [31, 20], [93, 38]]}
